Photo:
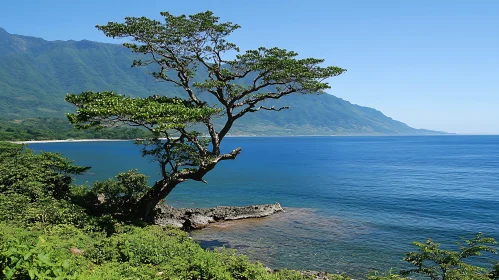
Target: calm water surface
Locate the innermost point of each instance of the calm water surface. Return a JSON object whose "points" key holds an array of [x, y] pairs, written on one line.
{"points": [[354, 203]]}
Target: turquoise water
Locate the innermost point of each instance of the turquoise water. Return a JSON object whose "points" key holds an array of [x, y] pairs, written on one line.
{"points": [[354, 203]]}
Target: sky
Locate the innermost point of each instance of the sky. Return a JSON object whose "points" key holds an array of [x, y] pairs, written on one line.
{"points": [[432, 64]]}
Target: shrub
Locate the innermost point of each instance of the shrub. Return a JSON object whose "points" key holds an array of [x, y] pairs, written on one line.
{"points": [[436, 263], [113, 196]]}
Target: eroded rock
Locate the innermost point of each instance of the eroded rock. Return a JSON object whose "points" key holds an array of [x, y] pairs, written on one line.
{"points": [[196, 218]]}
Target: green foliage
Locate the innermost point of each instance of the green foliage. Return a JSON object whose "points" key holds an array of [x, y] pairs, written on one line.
{"points": [[436, 263], [43, 211], [178, 48], [35, 175], [35, 75], [158, 113], [65, 252], [41, 255], [35, 190], [59, 128], [127, 188], [45, 235], [113, 196]]}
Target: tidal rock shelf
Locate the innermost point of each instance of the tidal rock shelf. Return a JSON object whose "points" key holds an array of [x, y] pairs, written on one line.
{"points": [[197, 218]]}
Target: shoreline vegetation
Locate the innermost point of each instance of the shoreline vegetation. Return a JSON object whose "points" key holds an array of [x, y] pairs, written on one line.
{"points": [[119, 228], [51, 129], [50, 228]]}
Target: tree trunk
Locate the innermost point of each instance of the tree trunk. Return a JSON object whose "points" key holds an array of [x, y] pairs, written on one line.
{"points": [[158, 192]]}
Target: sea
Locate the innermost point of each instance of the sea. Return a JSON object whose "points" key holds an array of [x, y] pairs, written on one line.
{"points": [[352, 204]]}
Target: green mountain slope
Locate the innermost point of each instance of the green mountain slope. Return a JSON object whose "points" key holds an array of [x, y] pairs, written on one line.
{"points": [[35, 75]]}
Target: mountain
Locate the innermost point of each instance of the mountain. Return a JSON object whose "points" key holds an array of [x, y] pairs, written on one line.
{"points": [[36, 74]]}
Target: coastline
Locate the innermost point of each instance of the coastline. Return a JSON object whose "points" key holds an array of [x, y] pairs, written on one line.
{"points": [[68, 141], [246, 136]]}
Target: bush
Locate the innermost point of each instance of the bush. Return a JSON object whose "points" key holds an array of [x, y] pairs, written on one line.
{"points": [[36, 191], [35, 175], [41, 255], [114, 196], [153, 252]]}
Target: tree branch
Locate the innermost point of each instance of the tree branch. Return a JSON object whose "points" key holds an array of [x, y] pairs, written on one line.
{"points": [[252, 102]]}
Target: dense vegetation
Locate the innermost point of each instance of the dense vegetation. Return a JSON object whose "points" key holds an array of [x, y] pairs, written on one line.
{"points": [[35, 75], [60, 128], [50, 229], [45, 234]]}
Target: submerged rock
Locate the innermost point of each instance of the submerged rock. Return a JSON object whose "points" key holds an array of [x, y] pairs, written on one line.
{"points": [[196, 218]]}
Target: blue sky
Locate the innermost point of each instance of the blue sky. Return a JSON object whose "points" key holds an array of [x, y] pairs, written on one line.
{"points": [[432, 64]]}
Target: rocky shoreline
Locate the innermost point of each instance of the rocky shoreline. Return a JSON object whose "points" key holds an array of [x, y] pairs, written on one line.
{"points": [[197, 218]]}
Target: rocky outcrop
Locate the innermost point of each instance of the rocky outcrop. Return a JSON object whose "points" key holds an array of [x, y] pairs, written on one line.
{"points": [[196, 218]]}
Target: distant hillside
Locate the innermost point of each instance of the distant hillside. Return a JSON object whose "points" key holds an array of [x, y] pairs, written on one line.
{"points": [[36, 74]]}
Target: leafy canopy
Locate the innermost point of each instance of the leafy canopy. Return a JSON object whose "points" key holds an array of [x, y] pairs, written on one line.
{"points": [[219, 83], [156, 112]]}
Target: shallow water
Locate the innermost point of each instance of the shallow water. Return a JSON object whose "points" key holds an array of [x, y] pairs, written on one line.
{"points": [[268, 239], [354, 203]]}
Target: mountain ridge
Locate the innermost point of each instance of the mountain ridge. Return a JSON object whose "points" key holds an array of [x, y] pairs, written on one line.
{"points": [[36, 74]]}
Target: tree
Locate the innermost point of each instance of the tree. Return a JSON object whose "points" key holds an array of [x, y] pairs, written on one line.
{"points": [[440, 264], [179, 48]]}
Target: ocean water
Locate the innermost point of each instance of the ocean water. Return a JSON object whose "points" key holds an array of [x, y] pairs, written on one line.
{"points": [[353, 204]]}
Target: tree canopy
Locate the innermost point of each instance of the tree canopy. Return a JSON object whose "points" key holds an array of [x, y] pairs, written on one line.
{"points": [[187, 141]]}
